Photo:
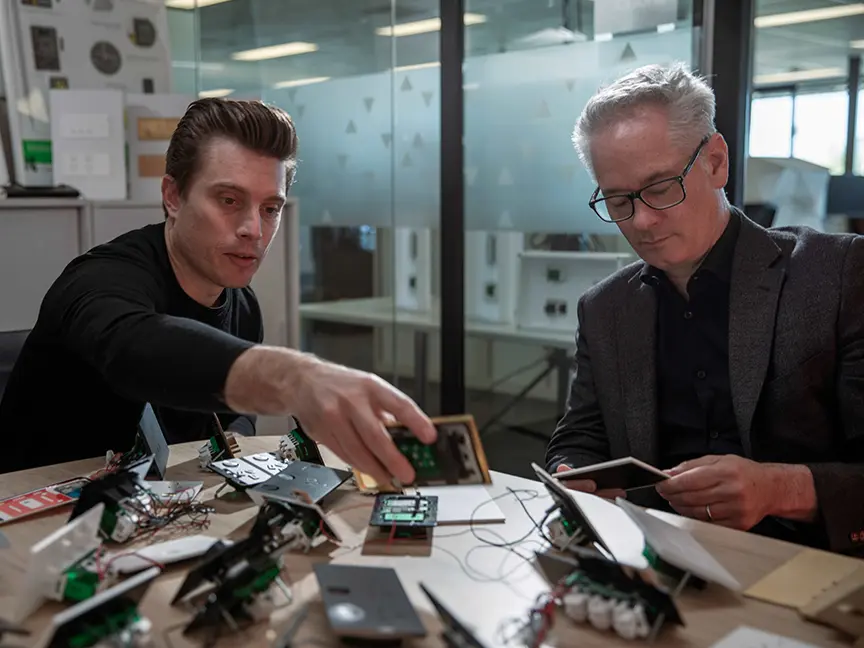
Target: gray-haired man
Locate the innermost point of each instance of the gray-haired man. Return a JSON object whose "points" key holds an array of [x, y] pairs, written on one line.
{"points": [[731, 356]]}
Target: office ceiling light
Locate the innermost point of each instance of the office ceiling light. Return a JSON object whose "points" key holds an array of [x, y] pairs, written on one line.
{"points": [[299, 82], [857, 44], [425, 26], [799, 75], [218, 92], [417, 66], [191, 4], [809, 15], [275, 51]]}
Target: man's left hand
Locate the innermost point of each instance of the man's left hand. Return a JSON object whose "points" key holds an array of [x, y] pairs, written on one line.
{"points": [[726, 489]]}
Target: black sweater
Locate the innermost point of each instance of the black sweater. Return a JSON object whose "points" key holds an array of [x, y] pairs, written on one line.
{"points": [[116, 331]]}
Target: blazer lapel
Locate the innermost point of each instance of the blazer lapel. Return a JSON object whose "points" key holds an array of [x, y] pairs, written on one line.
{"points": [[637, 331], [757, 277]]}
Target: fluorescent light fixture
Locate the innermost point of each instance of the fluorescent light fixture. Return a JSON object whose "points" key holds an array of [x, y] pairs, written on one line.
{"points": [[203, 67], [417, 66], [425, 26], [299, 82], [275, 51], [810, 15], [218, 92], [191, 4], [857, 44], [665, 28], [799, 75]]}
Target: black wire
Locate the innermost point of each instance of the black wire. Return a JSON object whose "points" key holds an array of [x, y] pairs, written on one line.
{"points": [[514, 493]]}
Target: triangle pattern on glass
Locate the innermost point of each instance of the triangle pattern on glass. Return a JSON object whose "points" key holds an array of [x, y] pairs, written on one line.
{"points": [[343, 160], [406, 161], [505, 178], [571, 83], [292, 94], [505, 221], [527, 150], [300, 111], [386, 138], [326, 218], [368, 102], [543, 110], [470, 175], [418, 141], [628, 54], [427, 97], [406, 84], [351, 128]]}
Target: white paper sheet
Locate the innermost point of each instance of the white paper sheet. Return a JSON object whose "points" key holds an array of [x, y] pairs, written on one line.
{"points": [[457, 504], [747, 637]]}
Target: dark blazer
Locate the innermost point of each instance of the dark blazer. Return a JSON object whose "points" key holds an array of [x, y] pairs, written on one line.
{"points": [[796, 366]]}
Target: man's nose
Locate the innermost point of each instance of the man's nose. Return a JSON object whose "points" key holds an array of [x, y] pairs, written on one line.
{"points": [[644, 218], [251, 226]]}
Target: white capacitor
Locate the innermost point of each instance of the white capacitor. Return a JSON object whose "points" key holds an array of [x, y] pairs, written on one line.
{"points": [[288, 448], [600, 612], [204, 456], [576, 605], [624, 620]]}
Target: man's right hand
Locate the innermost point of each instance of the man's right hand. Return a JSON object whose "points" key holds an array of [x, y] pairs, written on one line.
{"points": [[346, 410], [588, 486], [342, 408]]}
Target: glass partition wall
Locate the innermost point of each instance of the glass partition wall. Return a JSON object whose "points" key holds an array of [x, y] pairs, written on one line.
{"points": [[363, 82]]}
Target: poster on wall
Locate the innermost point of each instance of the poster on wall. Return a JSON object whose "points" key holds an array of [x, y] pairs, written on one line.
{"points": [[80, 45]]}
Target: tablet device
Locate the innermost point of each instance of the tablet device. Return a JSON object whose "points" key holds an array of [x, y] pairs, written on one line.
{"points": [[626, 473]]}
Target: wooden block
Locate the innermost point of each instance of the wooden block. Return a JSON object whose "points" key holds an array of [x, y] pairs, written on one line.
{"points": [[154, 129]]}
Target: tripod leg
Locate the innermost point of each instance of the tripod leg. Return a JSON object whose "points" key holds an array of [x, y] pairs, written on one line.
{"points": [[550, 367]]}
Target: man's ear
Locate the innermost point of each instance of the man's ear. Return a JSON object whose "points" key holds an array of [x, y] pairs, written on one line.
{"points": [[170, 195], [718, 160]]}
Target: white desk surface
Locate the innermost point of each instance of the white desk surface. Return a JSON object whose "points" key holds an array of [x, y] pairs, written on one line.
{"points": [[484, 585], [380, 311]]}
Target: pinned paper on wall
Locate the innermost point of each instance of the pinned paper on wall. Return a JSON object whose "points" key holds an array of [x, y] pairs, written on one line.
{"points": [[85, 164], [84, 126], [156, 128]]}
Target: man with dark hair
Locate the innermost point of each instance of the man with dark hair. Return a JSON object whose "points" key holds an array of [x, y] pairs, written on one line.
{"points": [[165, 315]]}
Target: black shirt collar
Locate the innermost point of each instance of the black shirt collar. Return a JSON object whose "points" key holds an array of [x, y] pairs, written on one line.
{"points": [[718, 261]]}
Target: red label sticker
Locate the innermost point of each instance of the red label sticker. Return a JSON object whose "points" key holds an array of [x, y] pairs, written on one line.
{"points": [[43, 499]]}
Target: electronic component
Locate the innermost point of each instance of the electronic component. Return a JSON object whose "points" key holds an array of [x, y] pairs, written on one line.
{"points": [[367, 603], [149, 441], [241, 574], [110, 618], [162, 553], [674, 553], [61, 565], [571, 528], [298, 446], [243, 472], [405, 516], [456, 457], [125, 497], [593, 589], [220, 445], [299, 480], [456, 634]]}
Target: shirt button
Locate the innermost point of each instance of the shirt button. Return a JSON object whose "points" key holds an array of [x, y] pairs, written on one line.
{"points": [[700, 374], [688, 315]]}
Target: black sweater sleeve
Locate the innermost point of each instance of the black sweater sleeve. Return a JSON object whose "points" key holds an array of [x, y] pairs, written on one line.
{"points": [[107, 313]]}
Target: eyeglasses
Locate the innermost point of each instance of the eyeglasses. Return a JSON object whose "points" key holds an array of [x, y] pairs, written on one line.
{"points": [[659, 195]]}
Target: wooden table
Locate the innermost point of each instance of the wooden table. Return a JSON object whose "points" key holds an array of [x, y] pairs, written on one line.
{"points": [[466, 574]]}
